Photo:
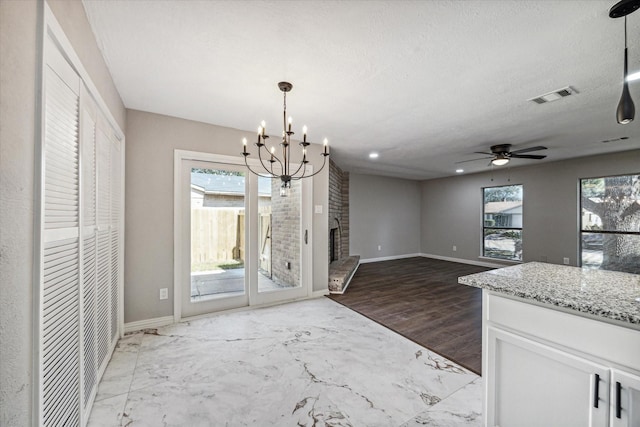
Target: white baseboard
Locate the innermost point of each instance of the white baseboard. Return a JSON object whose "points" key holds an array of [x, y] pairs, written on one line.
{"points": [[388, 258], [147, 324], [317, 294], [464, 261]]}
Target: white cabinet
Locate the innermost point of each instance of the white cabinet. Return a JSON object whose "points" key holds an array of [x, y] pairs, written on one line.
{"points": [[537, 385], [544, 367], [625, 399]]}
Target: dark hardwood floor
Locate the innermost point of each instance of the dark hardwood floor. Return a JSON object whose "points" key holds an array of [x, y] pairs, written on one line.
{"points": [[420, 298]]}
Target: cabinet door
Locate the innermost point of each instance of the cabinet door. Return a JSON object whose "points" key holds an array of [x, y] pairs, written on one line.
{"points": [[531, 384], [625, 399], [59, 276]]}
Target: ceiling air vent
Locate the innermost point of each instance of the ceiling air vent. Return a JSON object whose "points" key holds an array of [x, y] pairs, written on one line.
{"points": [[554, 96]]}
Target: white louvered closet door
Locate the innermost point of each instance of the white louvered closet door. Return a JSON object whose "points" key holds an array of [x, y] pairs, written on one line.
{"points": [[60, 251], [88, 119], [107, 244], [115, 229], [81, 238]]}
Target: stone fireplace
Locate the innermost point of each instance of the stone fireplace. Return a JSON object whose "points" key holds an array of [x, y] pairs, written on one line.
{"points": [[342, 266], [338, 212]]}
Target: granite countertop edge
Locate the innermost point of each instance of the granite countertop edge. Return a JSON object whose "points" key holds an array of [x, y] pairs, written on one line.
{"points": [[510, 281]]}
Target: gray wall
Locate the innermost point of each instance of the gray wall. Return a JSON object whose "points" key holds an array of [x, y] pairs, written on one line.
{"points": [[151, 141], [19, 63], [384, 211], [17, 117], [452, 207]]}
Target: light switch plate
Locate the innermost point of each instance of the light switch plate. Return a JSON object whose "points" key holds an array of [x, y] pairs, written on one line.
{"points": [[164, 293]]}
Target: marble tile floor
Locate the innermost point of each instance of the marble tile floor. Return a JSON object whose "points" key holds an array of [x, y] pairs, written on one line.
{"points": [[307, 363]]}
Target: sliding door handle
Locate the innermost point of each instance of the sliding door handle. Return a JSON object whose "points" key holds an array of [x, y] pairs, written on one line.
{"points": [[596, 390], [618, 398], [306, 237]]}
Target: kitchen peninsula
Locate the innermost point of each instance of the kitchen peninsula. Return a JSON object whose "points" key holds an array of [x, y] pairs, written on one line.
{"points": [[560, 346]]}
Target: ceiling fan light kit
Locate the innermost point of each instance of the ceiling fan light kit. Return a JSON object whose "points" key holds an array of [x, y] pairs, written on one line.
{"points": [[284, 173], [626, 110], [500, 160]]}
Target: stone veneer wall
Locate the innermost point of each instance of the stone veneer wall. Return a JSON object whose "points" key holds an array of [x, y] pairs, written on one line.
{"points": [[285, 234], [339, 207]]}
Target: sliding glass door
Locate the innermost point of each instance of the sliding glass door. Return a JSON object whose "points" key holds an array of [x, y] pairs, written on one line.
{"points": [[281, 243], [214, 229], [238, 242]]}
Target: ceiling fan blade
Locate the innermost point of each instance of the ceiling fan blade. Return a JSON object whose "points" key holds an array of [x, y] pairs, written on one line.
{"points": [[527, 150], [527, 156], [480, 152], [473, 160]]}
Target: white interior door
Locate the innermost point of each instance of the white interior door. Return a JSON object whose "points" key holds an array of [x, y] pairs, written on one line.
{"points": [[79, 238], [238, 242]]}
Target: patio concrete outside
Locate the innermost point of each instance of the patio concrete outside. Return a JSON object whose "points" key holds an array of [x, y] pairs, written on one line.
{"points": [[216, 283]]}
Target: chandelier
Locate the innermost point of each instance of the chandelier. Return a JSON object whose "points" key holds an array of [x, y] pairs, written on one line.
{"points": [[283, 169]]}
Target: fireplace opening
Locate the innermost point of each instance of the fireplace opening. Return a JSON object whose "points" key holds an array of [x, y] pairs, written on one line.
{"points": [[333, 244]]}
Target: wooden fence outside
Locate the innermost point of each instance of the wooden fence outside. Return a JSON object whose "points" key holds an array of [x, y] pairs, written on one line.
{"points": [[217, 235]]}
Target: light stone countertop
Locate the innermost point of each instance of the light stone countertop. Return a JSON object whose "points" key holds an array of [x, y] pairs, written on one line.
{"points": [[610, 295]]}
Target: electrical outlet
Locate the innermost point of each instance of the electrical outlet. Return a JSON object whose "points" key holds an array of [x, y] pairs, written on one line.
{"points": [[455, 248], [565, 261], [318, 209], [379, 247], [164, 293]]}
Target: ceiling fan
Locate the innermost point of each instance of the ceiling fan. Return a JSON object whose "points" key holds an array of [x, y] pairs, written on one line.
{"points": [[500, 154]]}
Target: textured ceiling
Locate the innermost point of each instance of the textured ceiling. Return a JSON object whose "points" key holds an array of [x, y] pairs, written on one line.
{"points": [[424, 83]]}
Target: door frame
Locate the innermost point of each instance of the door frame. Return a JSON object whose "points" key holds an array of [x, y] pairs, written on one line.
{"points": [[179, 245], [226, 301]]}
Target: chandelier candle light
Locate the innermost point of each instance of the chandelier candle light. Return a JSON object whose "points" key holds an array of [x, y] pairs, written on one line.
{"points": [[284, 172]]}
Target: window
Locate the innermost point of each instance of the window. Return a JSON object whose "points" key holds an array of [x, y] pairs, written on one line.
{"points": [[502, 222], [610, 223]]}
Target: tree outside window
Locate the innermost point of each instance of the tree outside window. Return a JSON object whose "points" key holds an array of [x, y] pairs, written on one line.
{"points": [[610, 223], [502, 222]]}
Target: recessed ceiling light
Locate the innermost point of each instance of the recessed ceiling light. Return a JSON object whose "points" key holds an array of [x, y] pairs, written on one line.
{"points": [[459, 170], [633, 76], [373, 155]]}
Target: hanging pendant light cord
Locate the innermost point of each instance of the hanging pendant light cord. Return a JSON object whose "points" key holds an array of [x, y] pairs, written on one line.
{"points": [[624, 76], [625, 33]]}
